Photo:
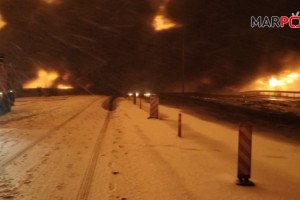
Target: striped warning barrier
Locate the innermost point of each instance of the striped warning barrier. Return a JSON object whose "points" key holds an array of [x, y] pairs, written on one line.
{"points": [[244, 155], [154, 102]]}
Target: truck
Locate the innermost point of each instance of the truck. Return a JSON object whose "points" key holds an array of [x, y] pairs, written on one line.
{"points": [[7, 96]]}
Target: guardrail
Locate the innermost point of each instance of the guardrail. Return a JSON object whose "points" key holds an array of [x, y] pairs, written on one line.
{"points": [[276, 93]]}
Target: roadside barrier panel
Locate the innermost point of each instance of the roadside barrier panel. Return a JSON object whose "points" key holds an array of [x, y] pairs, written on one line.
{"points": [[154, 103], [244, 155]]}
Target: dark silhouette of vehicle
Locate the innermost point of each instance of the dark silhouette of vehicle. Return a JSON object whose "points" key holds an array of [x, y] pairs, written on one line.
{"points": [[7, 95]]}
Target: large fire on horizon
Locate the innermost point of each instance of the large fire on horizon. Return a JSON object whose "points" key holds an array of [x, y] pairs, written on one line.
{"points": [[286, 80], [46, 79], [118, 44]]}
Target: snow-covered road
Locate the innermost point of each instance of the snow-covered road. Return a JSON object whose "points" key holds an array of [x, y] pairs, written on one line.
{"points": [[69, 148], [50, 146]]}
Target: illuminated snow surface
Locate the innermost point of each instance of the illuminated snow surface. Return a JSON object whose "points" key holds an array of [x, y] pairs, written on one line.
{"points": [[72, 148]]}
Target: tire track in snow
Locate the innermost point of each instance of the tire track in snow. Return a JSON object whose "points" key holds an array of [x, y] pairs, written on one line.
{"points": [[85, 186], [28, 116], [52, 131]]}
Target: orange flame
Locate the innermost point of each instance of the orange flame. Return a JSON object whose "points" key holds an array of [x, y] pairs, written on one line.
{"points": [[160, 21], [45, 79], [286, 80], [64, 87], [2, 22]]}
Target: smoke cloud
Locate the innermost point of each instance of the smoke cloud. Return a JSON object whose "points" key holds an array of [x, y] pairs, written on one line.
{"points": [[223, 48], [111, 44]]}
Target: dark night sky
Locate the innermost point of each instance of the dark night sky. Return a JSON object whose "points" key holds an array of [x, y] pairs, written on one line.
{"points": [[111, 44]]}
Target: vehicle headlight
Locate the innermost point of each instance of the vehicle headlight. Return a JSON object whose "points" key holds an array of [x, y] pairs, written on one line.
{"points": [[148, 94]]}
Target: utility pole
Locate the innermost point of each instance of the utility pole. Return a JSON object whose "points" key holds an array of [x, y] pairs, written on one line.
{"points": [[183, 62]]}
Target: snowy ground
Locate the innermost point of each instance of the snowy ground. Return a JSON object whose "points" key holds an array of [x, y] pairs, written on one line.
{"points": [[270, 104], [72, 148]]}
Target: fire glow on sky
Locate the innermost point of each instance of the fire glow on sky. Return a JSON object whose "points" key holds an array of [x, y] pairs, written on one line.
{"points": [[160, 21], [45, 79], [51, 1], [2, 22]]}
